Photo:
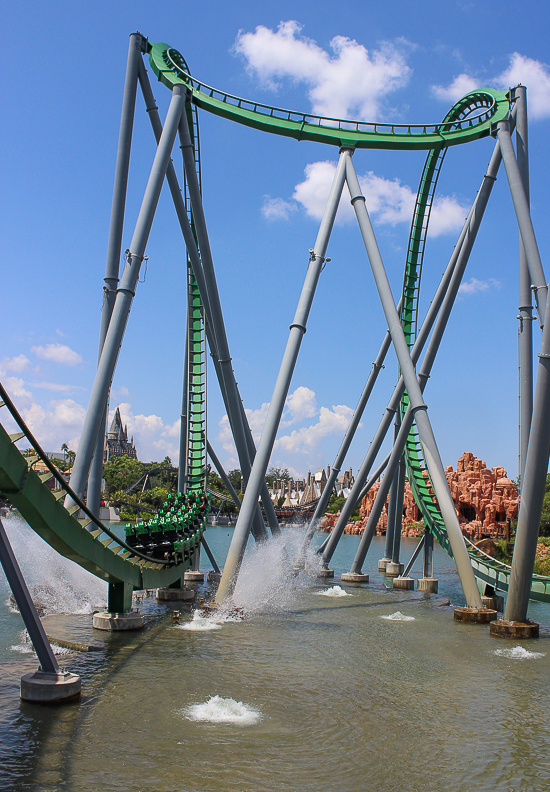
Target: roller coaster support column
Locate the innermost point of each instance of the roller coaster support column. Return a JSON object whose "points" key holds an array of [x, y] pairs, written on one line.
{"points": [[427, 582], [125, 295], [223, 475], [280, 392], [532, 494], [396, 565], [391, 524], [418, 407], [358, 491], [221, 349], [525, 298], [49, 683], [135, 50], [521, 206]]}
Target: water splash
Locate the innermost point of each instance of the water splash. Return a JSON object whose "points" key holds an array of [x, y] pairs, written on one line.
{"points": [[200, 623], [335, 591], [398, 616], [25, 646], [56, 584], [519, 653], [223, 710], [268, 583]]}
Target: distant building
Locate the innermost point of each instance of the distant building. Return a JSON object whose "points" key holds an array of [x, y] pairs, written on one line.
{"points": [[117, 443]]}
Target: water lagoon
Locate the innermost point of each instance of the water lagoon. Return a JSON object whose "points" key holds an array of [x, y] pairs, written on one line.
{"points": [[311, 690]]}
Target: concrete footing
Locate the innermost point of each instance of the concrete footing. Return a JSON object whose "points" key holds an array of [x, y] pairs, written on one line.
{"points": [[514, 629], [172, 594], [193, 576], [354, 577], [129, 620], [475, 615], [427, 584], [394, 569], [45, 687], [406, 583], [382, 564], [496, 602], [325, 573]]}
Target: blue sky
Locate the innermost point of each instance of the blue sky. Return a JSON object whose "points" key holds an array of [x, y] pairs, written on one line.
{"points": [[63, 66]]}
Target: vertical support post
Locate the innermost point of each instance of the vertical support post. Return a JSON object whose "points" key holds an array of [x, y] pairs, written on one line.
{"points": [[400, 486], [418, 407], [532, 494], [125, 295], [525, 299], [428, 571], [135, 49], [521, 207], [297, 331], [391, 526]]}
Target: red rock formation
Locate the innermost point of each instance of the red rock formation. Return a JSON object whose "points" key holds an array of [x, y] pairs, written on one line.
{"points": [[484, 500]]}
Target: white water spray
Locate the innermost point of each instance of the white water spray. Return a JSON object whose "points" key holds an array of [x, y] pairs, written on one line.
{"points": [[519, 653], [334, 591], [398, 616], [56, 584], [223, 710]]}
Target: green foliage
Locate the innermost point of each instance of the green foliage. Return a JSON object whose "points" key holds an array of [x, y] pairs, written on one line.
{"points": [[542, 567], [335, 504], [120, 472], [71, 455], [501, 546], [62, 464], [544, 529], [235, 477], [216, 483], [275, 474]]}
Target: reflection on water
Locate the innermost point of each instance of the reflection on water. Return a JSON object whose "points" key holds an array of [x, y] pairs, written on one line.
{"points": [[333, 696]]}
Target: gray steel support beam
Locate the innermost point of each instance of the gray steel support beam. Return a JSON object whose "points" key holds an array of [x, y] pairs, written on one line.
{"points": [[209, 554], [196, 265], [358, 492], [297, 331], [418, 407], [223, 475], [392, 501], [521, 207], [462, 255], [22, 596], [125, 295], [532, 493], [112, 267], [428, 568], [414, 556], [525, 299], [400, 486]]}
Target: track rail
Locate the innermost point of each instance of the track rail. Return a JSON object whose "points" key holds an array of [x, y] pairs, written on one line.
{"points": [[487, 107]]}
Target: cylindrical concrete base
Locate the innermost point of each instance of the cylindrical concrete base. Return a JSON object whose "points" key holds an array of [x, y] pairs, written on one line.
{"points": [[325, 573], [382, 564], [193, 576], [394, 569], [354, 577], [171, 594], [514, 629], [130, 620], [46, 688], [427, 584], [475, 615], [406, 583]]}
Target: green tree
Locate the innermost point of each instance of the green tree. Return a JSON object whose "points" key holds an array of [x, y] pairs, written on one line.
{"points": [[235, 477], [544, 529], [277, 474], [71, 455], [336, 503], [120, 472]]}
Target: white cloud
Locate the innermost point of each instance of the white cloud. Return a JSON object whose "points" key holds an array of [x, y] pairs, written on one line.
{"points": [[300, 405], [57, 386], [307, 439], [536, 76], [58, 353], [459, 87], [277, 208], [474, 286], [16, 364], [352, 82], [527, 71], [388, 201]]}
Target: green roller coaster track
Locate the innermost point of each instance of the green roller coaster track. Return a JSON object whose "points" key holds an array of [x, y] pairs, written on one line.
{"points": [[88, 541]]}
